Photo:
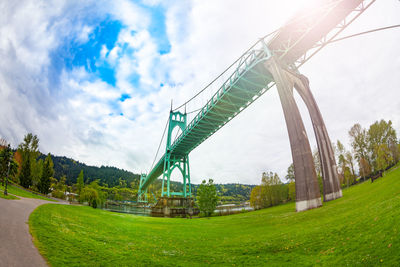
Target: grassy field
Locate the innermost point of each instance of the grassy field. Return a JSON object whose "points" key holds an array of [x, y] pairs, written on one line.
{"points": [[22, 193], [7, 196], [362, 228]]}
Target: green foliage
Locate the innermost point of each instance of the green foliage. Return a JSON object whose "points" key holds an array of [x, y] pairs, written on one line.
{"points": [[383, 156], [71, 169], [292, 191], [359, 229], [24, 193], [359, 142], [207, 197], [80, 183], [271, 192], [29, 151], [381, 133], [374, 150], [59, 188], [36, 174], [8, 166], [58, 194], [290, 173], [8, 196], [25, 177], [47, 173], [91, 196]]}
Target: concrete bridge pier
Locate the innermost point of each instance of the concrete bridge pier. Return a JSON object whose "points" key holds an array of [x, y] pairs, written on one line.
{"points": [[330, 178], [307, 188]]}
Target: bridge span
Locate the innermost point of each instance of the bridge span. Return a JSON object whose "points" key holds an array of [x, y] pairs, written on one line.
{"points": [[273, 60]]}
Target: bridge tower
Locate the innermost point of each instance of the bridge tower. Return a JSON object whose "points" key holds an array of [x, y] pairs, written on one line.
{"points": [[172, 161], [307, 188], [142, 195]]}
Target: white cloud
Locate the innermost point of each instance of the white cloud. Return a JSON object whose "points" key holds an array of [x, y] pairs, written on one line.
{"points": [[353, 81]]}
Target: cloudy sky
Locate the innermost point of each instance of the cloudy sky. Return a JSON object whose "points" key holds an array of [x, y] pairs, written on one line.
{"points": [[94, 79]]}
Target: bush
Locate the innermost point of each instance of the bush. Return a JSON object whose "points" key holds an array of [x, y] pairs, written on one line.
{"points": [[58, 194], [91, 196]]}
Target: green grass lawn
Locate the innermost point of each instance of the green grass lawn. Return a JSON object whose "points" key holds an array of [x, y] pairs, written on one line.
{"points": [[362, 228], [7, 196], [22, 193]]}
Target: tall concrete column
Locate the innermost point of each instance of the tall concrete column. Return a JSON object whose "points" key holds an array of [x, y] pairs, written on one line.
{"points": [[307, 188], [330, 178]]}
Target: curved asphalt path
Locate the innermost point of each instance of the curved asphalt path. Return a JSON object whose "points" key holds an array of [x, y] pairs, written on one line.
{"points": [[16, 246]]}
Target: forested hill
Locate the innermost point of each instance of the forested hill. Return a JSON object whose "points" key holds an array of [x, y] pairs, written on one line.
{"points": [[107, 175], [110, 176]]}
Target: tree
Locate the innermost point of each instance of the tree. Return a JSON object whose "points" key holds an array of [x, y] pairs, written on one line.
{"points": [[292, 191], [380, 133], [365, 168], [29, 151], [271, 193], [25, 178], [8, 166], [80, 182], [359, 142], [207, 197], [89, 195], [36, 173], [350, 162], [47, 173], [340, 150], [383, 157], [290, 173], [59, 188], [255, 198]]}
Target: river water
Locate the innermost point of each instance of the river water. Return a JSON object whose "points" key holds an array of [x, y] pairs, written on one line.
{"points": [[146, 211]]}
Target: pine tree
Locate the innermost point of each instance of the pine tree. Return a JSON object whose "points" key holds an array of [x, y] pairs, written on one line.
{"points": [[47, 173], [80, 183], [25, 178], [29, 151]]}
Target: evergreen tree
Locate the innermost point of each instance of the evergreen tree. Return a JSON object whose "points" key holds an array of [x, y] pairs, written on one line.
{"points": [[29, 151], [80, 183], [25, 178], [8, 166], [47, 173]]}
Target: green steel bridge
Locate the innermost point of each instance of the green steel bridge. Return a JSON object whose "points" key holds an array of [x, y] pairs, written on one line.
{"points": [[249, 77]]}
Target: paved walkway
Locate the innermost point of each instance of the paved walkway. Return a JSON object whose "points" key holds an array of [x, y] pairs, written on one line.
{"points": [[16, 246]]}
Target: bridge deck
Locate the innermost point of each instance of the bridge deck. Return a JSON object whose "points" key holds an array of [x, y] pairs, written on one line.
{"points": [[238, 92]]}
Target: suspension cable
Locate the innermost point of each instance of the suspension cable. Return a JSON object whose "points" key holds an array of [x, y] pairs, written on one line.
{"points": [[361, 33], [158, 149], [289, 22], [204, 88]]}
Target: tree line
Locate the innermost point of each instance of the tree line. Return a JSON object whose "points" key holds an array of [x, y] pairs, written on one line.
{"points": [[372, 151], [22, 166], [62, 177]]}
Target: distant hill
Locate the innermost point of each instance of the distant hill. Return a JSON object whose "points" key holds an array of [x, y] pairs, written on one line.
{"points": [[107, 175], [110, 176]]}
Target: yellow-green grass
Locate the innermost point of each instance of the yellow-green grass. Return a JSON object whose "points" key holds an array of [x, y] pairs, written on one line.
{"points": [[22, 193], [8, 196], [362, 228]]}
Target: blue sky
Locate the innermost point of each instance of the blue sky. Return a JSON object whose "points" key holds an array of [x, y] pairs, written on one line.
{"points": [[95, 79]]}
